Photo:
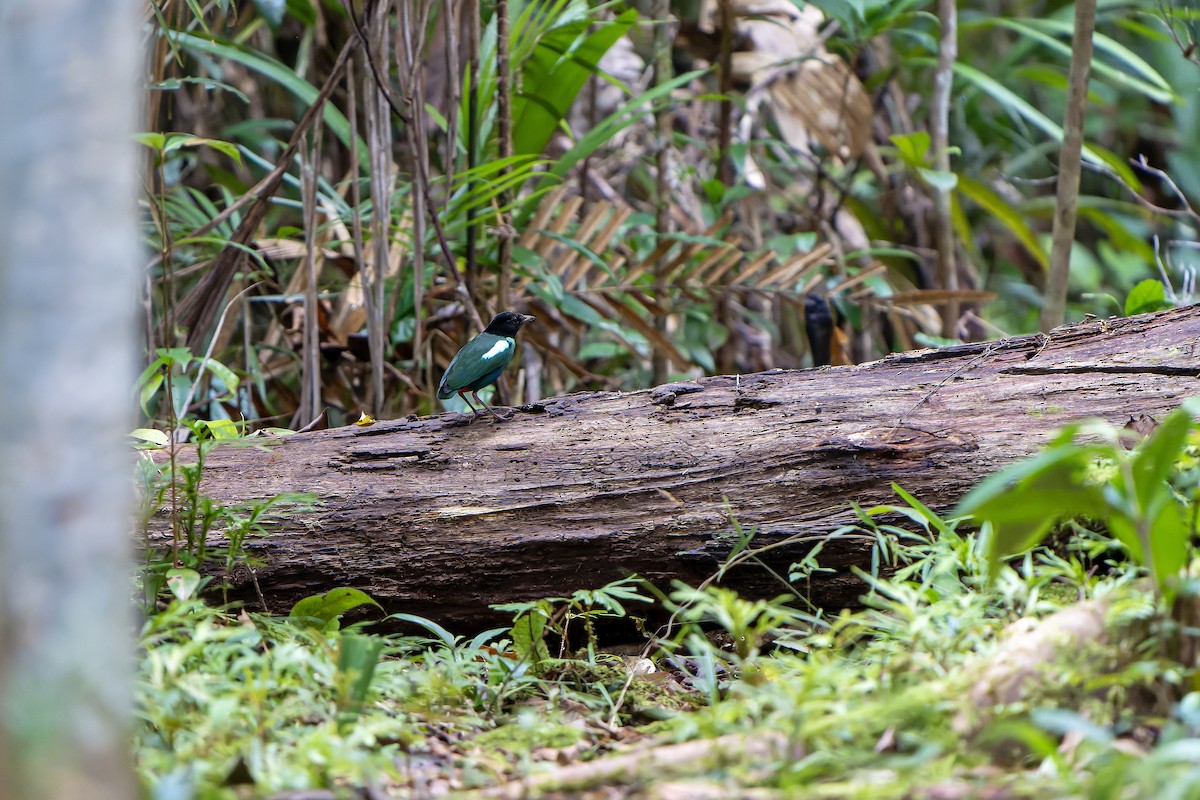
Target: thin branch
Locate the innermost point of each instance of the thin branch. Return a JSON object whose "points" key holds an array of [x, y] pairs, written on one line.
{"points": [[422, 182], [504, 150], [310, 393], [198, 308], [947, 268], [1066, 206], [728, 23], [474, 37], [661, 362], [379, 143]]}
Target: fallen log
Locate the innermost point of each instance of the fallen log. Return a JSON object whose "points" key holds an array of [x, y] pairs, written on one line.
{"points": [[440, 518]]}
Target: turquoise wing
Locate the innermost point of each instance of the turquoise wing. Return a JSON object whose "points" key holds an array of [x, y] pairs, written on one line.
{"points": [[477, 365]]}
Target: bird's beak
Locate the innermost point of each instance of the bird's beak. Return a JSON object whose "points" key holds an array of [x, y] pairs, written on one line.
{"points": [[526, 319]]}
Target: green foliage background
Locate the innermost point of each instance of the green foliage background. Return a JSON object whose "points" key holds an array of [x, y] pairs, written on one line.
{"points": [[717, 223]]}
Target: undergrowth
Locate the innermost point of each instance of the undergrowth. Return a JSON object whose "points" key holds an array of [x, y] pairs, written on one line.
{"points": [[899, 698]]}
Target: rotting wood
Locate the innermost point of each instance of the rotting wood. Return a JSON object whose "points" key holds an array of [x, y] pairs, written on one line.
{"points": [[439, 518]]}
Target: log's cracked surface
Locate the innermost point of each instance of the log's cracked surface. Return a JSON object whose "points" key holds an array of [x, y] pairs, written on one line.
{"points": [[439, 518]]}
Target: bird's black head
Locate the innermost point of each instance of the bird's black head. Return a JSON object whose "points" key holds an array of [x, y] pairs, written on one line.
{"points": [[507, 323]]}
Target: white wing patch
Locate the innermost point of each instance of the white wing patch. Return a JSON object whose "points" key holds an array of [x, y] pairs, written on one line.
{"points": [[498, 348]]}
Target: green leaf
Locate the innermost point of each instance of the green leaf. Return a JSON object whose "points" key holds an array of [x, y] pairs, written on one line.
{"points": [[151, 435], [936, 522], [174, 356], [183, 583], [171, 84], [1015, 103], [528, 636], [150, 386], [622, 118], [938, 179], [1005, 214], [445, 636], [327, 607], [275, 71], [357, 658], [272, 11], [1146, 297], [154, 141], [223, 429], [1169, 541], [559, 66], [1155, 456], [305, 12], [224, 374], [1151, 84], [1025, 501], [912, 148], [175, 141]]}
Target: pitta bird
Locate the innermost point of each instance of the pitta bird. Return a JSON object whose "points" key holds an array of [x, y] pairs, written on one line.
{"points": [[481, 360]]}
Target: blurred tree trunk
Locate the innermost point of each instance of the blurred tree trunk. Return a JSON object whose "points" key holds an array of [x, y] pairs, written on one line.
{"points": [[68, 256], [441, 518]]}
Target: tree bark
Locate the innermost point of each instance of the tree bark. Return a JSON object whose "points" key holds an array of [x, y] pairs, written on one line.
{"points": [[441, 518], [68, 265]]}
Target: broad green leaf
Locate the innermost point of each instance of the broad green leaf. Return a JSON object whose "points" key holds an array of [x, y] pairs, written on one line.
{"points": [[177, 141], [154, 141], [1015, 103], [912, 148], [181, 388], [358, 656], [275, 71], [849, 13], [1023, 519], [223, 429], [1169, 542], [1155, 456], [150, 387], [1060, 453], [1025, 501], [223, 373], [939, 179], [1005, 214], [183, 583], [1151, 84], [175, 356], [151, 435], [1146, 297], [305, 12], [553, 75], [528, 635], [330, 605]]}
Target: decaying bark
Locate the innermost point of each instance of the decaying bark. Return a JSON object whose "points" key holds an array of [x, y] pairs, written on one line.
{"points": [[441, 518]]}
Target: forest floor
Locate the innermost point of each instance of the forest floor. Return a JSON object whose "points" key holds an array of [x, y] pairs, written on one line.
{"points": [[1052, 679]]}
